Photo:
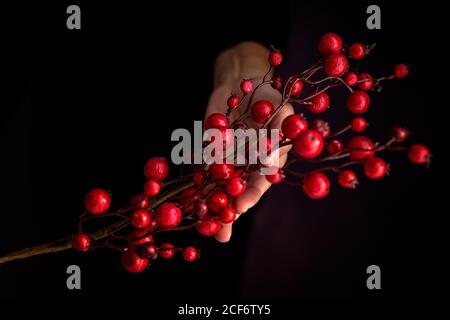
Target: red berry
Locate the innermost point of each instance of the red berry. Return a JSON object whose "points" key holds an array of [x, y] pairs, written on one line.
{"points": [[358, 124], [351, 78], [81, 242], [147, 250], [156, 169], [294, 87], [400, 134], [140, 218], [140, 201], [308, 144], [97, 201], [330, 43], [151, 188], [199, 178], [366, 81], [357, 51], [167, 250], [168, 215], [232, 101], [220, 171], [335, 146], [262, 110], [201, 209], [277, 82], [348, 179], [217, 201], [358, 102], [217, 121], [293, 125], [400, 70], [190, 254], [335, 65], [189, 197], [247, 86], [316, 185], [132, 262], [275, 58], [227, 215], [275, 178], [375, 168], [361, 148], [236, 186], [208, 227], [419, 154], [139, 237], [320, 103], [321, 126]]}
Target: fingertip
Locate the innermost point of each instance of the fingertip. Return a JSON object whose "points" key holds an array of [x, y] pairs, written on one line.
{"points": [[224, 234]]}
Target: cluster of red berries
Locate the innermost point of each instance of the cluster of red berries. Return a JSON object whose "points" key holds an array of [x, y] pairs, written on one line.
{"points": [[203, 199]]}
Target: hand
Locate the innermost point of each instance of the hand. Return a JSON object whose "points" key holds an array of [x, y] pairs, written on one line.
{"points": [[247, 60]]}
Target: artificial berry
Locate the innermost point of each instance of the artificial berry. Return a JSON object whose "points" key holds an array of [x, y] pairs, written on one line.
{"points": [[201, 209], [316, 185], [167, 250], [147, 250], [208, 227], [247, 86], [140, 218], [358, 102], [140, 201], [357, 51], [319, 103], [335, 65], [81, 242], [189, 197], [190, 254], [294, 87], [216, 121], [232, 101], [262, 110], [139, 237], [156, 169], [335, 146], [361, 148], [132, 262], [400, 134], [400, 70], [321, 126], [358, 124], [236, 186], [152, 188], [308, 144], [365, 81], [220, 171], [375, 168], [275, 178], [419, 154], [293, 125], [168, 215], [351, 78], [275, 58], [330, 43], [277, 82], [348, 179], [227, 215], [217, 201], [199, 178], [97, 201]]}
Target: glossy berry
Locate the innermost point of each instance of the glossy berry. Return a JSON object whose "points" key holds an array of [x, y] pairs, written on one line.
{"points": [[308, 144], [147, 250], [400, 134], [320, 103], [140, 218], [366, 81], [358, 102], [232, 101], [293, 125], [217, 200], [201, 209], [81, 242], [348, 179], [151, 188], [419, 154], [335, 65], [275, 178], [227, 215], [277, 82], [358, 124], [220, 171], [400, 70], [262, 110], [351, 78], [168, 215], [294, 87], [97, 201], [330, 43], [361, 148], [140, 201], [335, 146], [208, 227], [190, 254], [132, 262], [139, 237], [275, 58], [216, 121], [156, 169], [357, 51], [247, 86], [166, 250], [321, 126], [375, 168], [199, 178], [316, 185], [236, 186]]}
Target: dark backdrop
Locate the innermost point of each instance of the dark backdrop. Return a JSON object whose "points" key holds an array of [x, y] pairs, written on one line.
{"points": [[88, 107]]}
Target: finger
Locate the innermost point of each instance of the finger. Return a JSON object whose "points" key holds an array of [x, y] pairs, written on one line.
{"points": [[224, 234]]}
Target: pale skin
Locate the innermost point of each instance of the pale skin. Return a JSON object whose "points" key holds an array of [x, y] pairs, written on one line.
{"points": [[247, 60]]}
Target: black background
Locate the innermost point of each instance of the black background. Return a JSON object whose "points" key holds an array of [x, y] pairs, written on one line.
{"points": [[88, 108]]}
